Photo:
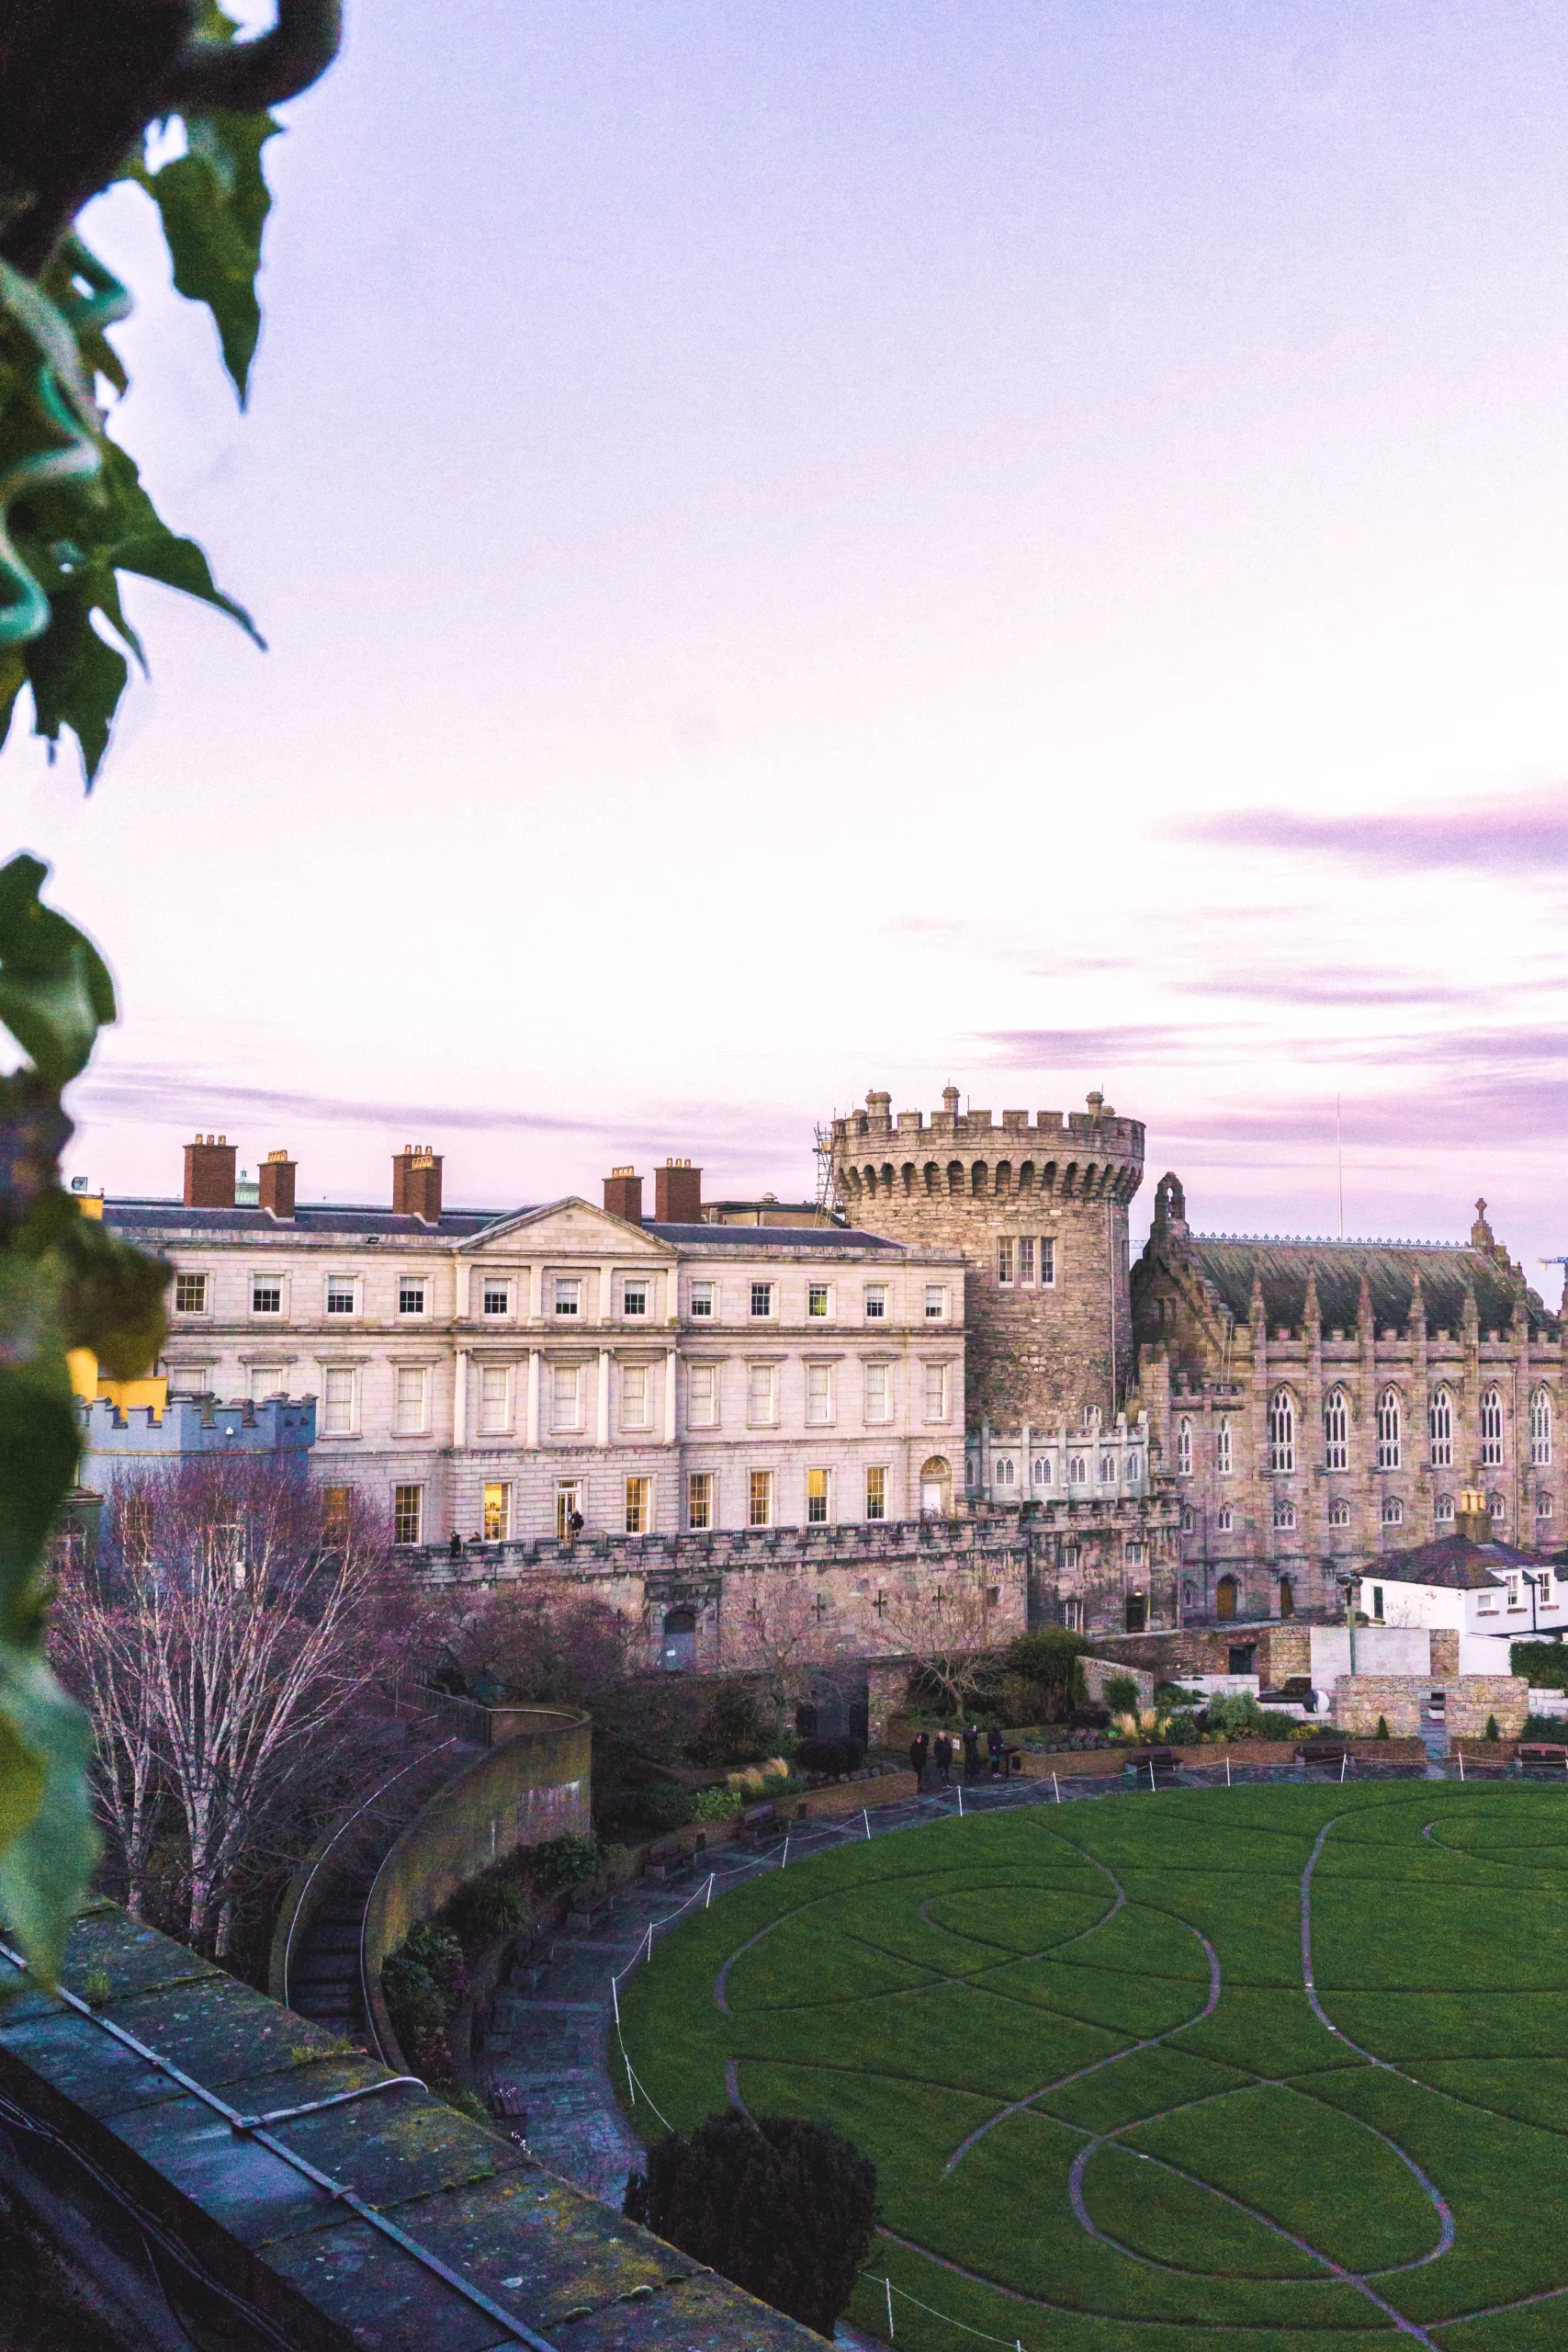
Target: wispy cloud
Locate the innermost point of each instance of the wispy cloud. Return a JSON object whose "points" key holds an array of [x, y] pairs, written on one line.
{"points": [[1526, 835], [1301, 987], [1086, 1050]]}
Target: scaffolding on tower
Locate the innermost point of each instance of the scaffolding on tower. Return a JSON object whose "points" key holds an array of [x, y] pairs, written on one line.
{"points": [[829, 1204]]}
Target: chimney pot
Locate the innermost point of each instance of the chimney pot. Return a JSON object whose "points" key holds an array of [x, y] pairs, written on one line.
{"points": [[210, 1174], [416, 1183], [623, 1194], [275, 1185], [678, 1194]]}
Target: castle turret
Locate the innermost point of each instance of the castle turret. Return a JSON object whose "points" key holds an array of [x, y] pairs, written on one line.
{"points": [[1040, 1212]]}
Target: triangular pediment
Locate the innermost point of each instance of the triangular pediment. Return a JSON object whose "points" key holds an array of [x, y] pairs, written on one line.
{"points": [[569, 1228]]}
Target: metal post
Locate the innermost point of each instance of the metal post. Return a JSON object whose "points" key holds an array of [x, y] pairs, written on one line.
{"points": [[650, 1940], [960, 1800], [1461, 1763], [616, 2001], [708, 1897], [1343, 1761], [888, 2284], [1152, 1788], [1058, 1785], [1227, 1770], [784, 1859], [865, 1816]]}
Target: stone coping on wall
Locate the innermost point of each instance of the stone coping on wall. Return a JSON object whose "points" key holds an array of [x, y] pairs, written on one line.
{"points": [[388, 2221]]}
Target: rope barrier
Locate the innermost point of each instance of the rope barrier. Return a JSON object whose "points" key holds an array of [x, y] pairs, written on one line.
{"points": [[1011, 2343]]}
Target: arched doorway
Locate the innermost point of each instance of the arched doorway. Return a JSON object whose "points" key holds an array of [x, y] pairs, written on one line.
{"points": [[936, 1486], [678, 1654], [1224, 1597], [1287, 1598], [1137, 1611]]}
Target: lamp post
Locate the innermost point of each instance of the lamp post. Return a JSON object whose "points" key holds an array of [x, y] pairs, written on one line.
{"points": [[1348, 1585], [1533, 1582]]}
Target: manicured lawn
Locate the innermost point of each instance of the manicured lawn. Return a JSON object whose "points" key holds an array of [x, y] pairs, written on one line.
{"points": [[1086, 2144]]}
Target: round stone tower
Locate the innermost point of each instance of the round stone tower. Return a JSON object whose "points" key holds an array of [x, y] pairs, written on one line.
{"points": [[1039, 1213]]}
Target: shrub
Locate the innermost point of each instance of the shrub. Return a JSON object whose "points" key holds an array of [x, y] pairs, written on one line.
{"points": [[565, 1861], [1237, 1715], [733, 1731], [415, 2003], [1048, 1666], [1122, 1693], [1545, 1664], [833, 1757], [717, 1804], [783, 2207], [1182, 1728], [1547, 1727], [656, 1808], [1176, 1694], [492, 1905], [1274, 1723], [1383, 1731], [1491, 1727], [436, 1949]]}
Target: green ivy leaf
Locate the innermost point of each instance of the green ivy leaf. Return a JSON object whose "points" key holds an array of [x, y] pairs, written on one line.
{"points": [[213, 201], [55, 990], [45, 1748]]}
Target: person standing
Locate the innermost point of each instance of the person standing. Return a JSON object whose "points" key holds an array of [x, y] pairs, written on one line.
{"points": [[918, 1746], [994, 1751], [944, 1752], [971, 1751]]}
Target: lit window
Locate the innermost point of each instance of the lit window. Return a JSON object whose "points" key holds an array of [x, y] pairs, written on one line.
{"points": [[936, 1303], [1026, 1258], [407, 1513], [1491, 1429], [936, 1392], [408, 1406], [817, 1491], [1445, 1507], [633, 1297], [568, 1295], [762, 1395], [1072, 1616], [1393, 1511], [762, 1301], [498, 1512], [1225, 1451], [569, 1506], [1184, 1449], [819, 1395], [1281, 1431], [336, 1514], [566, 1396], [878, 1393], [497, 1298], [190, 1295], [411, 1295], [876, 1493], [816, 1299], [1339, 1514], [1047, 1261], [1335, 1430], [1284, 1514], [337, 1401], [702, 1395], [1004, 1470], [268, 1380], [701, 1301], [633, 1400], [640, 1506], [495, 1400], [699, 1501], [1388, 1430], [266, 1294], [1540, 1428], [1005, 1259], [1226, 1519], [759, 1500], [1043, 1470], [1440, 1429], [1077, 1470], [876, 1302]]}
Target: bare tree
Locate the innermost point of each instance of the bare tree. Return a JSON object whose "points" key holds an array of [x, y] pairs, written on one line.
{"points": [[781, 1632], [224, 1640], [944, 1621], [532, 1639]]}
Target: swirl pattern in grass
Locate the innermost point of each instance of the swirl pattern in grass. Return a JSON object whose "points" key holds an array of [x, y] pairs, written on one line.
{"points": [[1279, 2069]]}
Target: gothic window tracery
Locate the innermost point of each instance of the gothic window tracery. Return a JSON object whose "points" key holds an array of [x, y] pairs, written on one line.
{"points": [[1184, 1449], [1223, 1452], [1540, 1429], [1440, 1429], [1335, 1430], [1389, 1420], [1492, 1427], [1281, 1431]]}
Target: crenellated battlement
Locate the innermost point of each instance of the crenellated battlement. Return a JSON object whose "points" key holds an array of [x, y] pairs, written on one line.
{"points": [[1089, 1155]]}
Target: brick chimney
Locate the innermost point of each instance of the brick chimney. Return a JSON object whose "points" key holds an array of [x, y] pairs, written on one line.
{"points": [[623, 1194], [678, 1194], [275, 1184], [210, 1172], [416, 1183]]}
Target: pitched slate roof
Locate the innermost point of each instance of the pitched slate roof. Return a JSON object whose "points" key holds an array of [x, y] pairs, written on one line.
{"points": [[1281, 1266], [1453, 1562], [138, 1220]]}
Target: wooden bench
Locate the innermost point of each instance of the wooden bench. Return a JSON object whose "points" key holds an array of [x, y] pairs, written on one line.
{"points": [[1538, 1757], [663, 1855], [758, 1821], [1158, 1763], [1326, 1752]]}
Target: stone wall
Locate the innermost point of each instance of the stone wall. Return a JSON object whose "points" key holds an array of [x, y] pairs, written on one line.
{"points": [[1099, 1671], [1360, 1699], [1469, 1698], [1445, 1650]]}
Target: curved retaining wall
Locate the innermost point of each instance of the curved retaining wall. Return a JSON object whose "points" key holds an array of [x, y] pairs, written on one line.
{"points": [[534, 1786]]}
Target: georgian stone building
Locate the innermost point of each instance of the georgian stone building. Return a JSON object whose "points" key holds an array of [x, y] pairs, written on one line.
{"points": [[1323, 1402], [1038, 1210], [496, 1375]]}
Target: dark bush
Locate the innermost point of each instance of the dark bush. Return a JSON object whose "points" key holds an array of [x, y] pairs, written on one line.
{"points": [[1120, 1693], [415, 2003], [1546, 1727], [1492, 1731], [655, 1809], [1383, 1732], [1092, 1718], [1545, 1664], [1048, 1664], [833, 1757], [437, 1949], [734, 1730], [784, 2208], [492, 1905], [565, 1861]]}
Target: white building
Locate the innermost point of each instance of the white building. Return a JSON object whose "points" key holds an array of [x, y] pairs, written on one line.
{"points": [[496, 1372], [1489, 1594]]}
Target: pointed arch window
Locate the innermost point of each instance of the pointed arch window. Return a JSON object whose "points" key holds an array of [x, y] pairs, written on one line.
{"points": [[1281, 1431], [1184, 1449], [1388, 1418], [1540, 1429], [1492, 1427], [1335, 1430], [1224, 1453], [1440, 1429]]}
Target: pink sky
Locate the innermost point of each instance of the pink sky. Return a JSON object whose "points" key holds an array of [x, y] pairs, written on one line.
{"points": [[808, 548]]}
